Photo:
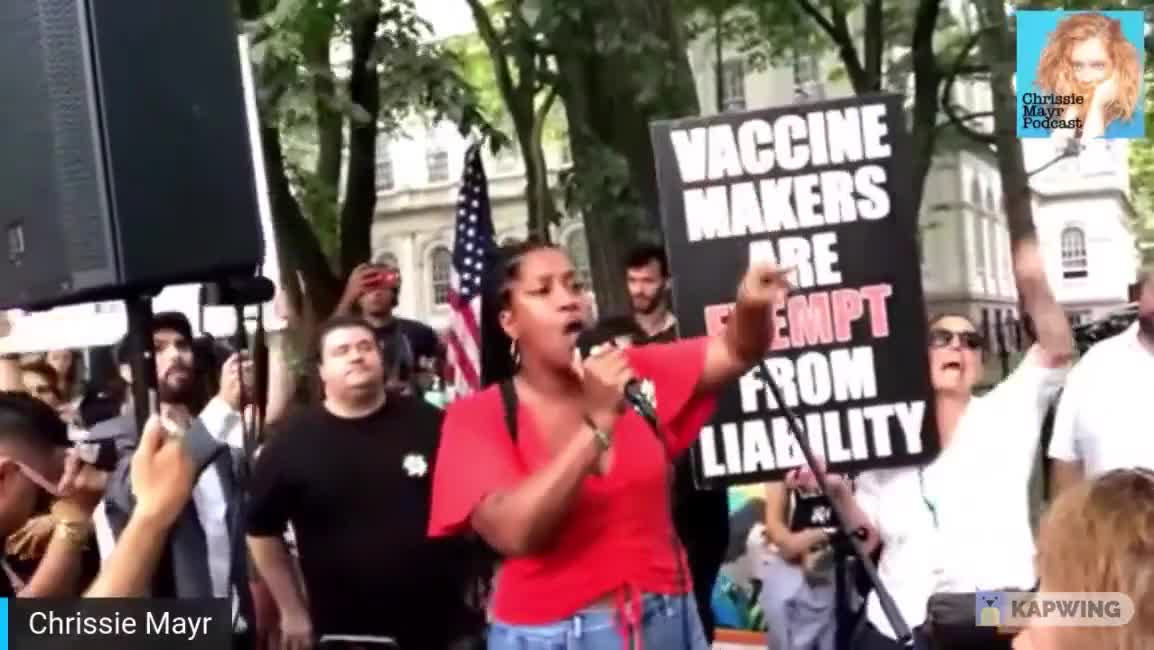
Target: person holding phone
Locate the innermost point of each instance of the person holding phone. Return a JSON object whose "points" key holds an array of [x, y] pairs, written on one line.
{"points": [[413, 353]]}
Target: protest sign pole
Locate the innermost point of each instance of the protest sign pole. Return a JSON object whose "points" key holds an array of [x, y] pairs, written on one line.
{"points": [[889, 607]]}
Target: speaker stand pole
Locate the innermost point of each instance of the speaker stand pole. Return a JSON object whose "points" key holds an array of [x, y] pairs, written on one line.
{"points": [[844, 587], [143, 358]]}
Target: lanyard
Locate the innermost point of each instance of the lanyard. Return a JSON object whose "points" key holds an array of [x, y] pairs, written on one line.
{"points": [[930, 505]]}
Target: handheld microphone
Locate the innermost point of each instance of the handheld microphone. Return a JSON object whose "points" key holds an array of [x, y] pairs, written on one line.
{"points": [[590, 339]]}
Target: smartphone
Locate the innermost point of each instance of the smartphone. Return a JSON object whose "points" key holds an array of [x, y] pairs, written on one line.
{"points": [[374, 280], [385, 278]]}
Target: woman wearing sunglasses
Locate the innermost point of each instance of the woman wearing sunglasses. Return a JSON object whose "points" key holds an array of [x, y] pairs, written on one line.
{"points": [[961, 523]]}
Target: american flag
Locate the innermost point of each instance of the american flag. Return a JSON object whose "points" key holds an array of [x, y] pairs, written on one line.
{"points": [[472, 243]]}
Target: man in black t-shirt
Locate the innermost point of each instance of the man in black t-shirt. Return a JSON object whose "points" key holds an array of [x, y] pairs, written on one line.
{"points": [[701, 516], [353, 478], [413, 354]]}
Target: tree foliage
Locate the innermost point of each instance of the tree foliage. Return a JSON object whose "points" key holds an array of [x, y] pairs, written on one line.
{"points": [[333, 75], [881, 46], [520, 71], [615, 66]]}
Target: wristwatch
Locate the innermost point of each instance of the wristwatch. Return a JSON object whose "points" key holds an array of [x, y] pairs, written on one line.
{"points": [[604, 438]]}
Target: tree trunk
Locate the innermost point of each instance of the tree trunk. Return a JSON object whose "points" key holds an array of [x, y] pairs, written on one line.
{"points": [[517, 46], [927, 79], [609, 115], [866, 73], [330, 122], [361, 179], [295, 240], [1011, 163]]}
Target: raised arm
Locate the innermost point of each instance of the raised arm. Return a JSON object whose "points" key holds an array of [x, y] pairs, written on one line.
{"points": [[162, 474], [749, 330], [1067, 468], [281, 381], [1055, 339], [353, 290]]}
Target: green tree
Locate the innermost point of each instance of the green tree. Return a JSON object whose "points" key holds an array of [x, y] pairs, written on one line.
{"points": [[621, 64], [998, 47], [320, 117], [616, 66], [1142, 176], [521, 71], [882, 47]]}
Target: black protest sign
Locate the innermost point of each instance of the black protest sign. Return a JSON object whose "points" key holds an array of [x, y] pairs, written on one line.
{"points": [[821, 189]]}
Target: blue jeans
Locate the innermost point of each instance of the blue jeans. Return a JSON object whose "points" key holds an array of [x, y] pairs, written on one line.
{"points": [[664, 622]]}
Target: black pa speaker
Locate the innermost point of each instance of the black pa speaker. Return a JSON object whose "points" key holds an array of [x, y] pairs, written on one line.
{"points": [[125, 159]]}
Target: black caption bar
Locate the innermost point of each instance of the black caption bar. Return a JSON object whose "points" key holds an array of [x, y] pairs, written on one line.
{"points": [[124, 624]]}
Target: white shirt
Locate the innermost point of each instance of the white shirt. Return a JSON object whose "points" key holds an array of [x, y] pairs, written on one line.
{"points": [[978, 486], [1105, 417], [208, 495]]}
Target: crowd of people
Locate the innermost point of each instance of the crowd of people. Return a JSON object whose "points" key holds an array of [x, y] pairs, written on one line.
{"points": [[542, 511]]}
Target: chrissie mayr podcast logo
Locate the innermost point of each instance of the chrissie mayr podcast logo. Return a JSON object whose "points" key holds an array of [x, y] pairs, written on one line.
{"points": [[1079, 74]]}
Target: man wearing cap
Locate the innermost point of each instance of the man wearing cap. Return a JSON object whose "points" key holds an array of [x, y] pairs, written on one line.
{"points": [[201, 545], [412, 352]]}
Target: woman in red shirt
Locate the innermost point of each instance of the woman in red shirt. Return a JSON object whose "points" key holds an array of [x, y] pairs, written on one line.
{"points": [[578, 501]]}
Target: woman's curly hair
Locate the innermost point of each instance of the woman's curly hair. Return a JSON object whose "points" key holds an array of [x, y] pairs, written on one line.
{"points": [[1056, 73]]}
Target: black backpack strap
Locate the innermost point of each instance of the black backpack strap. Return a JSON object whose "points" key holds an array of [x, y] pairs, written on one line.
{"points": [[509, 400]]}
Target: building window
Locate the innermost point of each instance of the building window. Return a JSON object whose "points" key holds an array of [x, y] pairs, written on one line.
{"points": [[991, 243], [437, 160], [733, 85], [1074, 253], [385, 179], [578, 248], [440, 269], [979, 239], [806, 78]]}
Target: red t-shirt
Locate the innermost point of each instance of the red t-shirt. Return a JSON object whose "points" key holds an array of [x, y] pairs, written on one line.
{"points": [[617, 538]]}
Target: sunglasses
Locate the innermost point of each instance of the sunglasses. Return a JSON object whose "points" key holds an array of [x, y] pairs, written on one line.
{"points": [[943, 338]]}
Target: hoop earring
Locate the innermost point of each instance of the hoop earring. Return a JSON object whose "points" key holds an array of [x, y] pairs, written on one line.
{"points": [[515, 354]]}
